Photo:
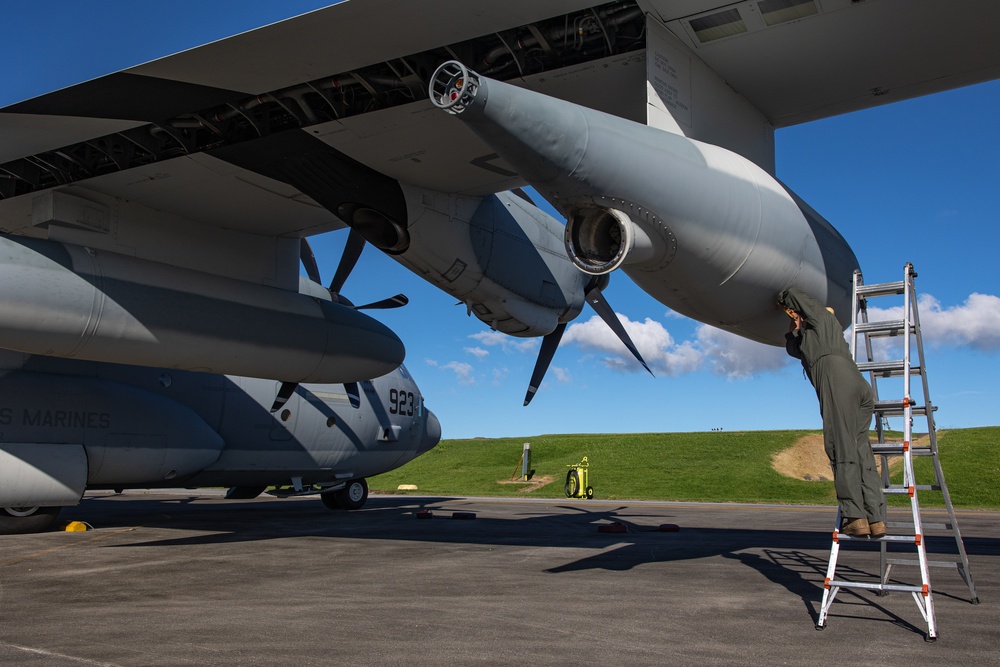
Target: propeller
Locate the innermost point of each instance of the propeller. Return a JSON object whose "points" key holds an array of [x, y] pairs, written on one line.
{"points": [[352, 252], [595, 297]]}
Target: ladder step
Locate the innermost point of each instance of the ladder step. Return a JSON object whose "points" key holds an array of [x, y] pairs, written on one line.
{"points": [[889, 328], [882, 289], [895, 408], [937, 526], [896, 449], [875, 587], [914, 561], [884, 538], [908, 526], [888, 369], [902, 490]]}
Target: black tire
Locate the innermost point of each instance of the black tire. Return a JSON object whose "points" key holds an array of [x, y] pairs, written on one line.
{"points": [[590, 492], [351, 497], [244, 492], [19, 520], [572, 483], [330, 500]]}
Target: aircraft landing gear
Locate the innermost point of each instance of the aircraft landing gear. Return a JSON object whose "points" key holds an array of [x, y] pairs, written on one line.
{"points": [[352, 497], [16, 520]]}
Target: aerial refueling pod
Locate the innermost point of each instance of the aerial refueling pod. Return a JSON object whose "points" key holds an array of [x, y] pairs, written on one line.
{"points": [[703, 230], [64, 300]]}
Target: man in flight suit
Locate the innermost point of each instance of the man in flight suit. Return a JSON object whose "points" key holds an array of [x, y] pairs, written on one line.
{"points": [[846, 405]]}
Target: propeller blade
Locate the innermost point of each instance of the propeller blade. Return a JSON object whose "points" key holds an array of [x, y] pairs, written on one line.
{"points": [[284, 393], [352, 251], [549, 344], [601, 306], [309, 260], [392, 302]]}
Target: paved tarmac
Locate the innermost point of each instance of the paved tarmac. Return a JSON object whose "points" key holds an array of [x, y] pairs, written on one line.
{"points": [[192, 579]]}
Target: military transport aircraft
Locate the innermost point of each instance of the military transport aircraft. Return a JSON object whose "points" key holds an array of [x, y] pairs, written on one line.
{"points": [[69, 425], [154, 216]]}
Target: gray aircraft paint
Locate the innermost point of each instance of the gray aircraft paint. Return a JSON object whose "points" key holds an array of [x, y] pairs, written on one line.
{"points": [[140, 427], [500, 255], [65, 300], [701, 229]]}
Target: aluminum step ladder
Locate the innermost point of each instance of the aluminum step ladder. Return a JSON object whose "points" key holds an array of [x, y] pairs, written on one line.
{"points": [[907, 326]]}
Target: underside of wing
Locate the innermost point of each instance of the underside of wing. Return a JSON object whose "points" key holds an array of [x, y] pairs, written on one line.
{"points": [[203, 136]]}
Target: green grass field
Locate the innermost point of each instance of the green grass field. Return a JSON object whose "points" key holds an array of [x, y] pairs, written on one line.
{"points": [[715, 466]]}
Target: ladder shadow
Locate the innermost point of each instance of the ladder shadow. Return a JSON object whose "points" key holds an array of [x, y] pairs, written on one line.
{"points": [[799, 572], [802, 574]]}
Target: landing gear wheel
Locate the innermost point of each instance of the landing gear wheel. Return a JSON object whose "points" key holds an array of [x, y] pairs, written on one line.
{"points": [[16, 520], [329, 499], [590, 493], [572, 487], [352, 497]]}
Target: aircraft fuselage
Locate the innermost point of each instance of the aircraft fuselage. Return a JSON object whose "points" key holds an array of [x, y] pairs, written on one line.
{"points": [[67, 426]]}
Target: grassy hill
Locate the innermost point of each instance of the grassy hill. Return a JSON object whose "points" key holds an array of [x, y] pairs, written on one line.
{"points": [[715, 466]]}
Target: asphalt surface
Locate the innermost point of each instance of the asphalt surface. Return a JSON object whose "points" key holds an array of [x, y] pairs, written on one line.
{"points": [[182, 579]]}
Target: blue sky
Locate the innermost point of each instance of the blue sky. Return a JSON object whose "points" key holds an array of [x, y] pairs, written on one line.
{"points": [[914, 182]]}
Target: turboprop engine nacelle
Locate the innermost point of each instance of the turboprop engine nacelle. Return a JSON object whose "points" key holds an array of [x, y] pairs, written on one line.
{"points": [[62, 300], [703, 230], [499, 254]]}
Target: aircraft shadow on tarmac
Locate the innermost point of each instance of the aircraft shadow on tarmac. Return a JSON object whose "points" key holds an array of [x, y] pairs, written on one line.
{"points": [[572, 525], [795, 559]]}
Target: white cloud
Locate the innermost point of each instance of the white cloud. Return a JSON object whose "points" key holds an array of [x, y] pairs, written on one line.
{"points": [[560, 374], [736, 357], [653, 341], [478, 352], [975, 323], [724, 353], [505, 342], [462, 370]]}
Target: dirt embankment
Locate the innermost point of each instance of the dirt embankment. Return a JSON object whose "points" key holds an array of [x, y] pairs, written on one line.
{"points": [[806, 459], [530, 485]]}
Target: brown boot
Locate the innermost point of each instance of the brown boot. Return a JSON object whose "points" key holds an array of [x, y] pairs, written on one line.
{"points": [[877, 529], [856, 527]]}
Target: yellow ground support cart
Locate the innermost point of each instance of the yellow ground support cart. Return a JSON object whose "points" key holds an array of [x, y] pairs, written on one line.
{"points": [[578, 482]]}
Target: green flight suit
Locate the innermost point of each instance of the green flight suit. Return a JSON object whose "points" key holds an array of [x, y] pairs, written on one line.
{"points": [[845, 403]]}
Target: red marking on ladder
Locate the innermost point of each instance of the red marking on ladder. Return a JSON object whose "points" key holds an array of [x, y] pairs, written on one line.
{"points": [[916, 539], [910, 490], [826, 582], [836, 533], [906, 445], [908, 402], [925, 590]]}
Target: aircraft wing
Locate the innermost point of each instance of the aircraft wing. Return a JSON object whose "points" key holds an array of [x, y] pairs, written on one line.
{"points": [[802, 60], [196, 137]]}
